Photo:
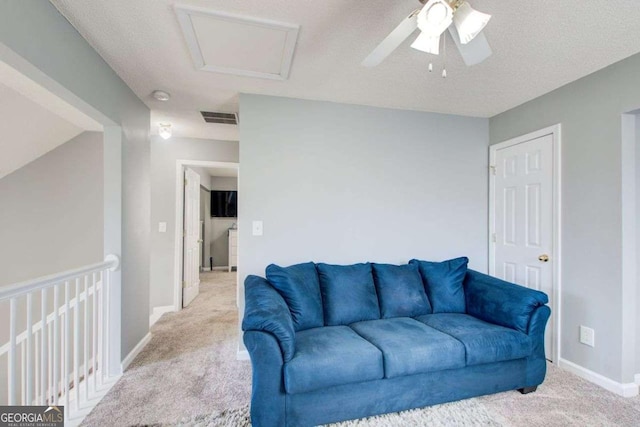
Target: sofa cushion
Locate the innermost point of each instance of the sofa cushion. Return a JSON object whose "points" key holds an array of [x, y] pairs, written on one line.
{"points": [[484, 342], [331, 356], [348, 293], [410, 347], [400, 290], [300, 288], [443, 283]]}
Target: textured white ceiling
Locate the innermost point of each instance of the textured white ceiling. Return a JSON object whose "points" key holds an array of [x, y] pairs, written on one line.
{"points": [[538, 46]]}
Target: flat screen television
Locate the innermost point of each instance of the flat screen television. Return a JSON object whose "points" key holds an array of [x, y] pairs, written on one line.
{"points": [[224, 204]]}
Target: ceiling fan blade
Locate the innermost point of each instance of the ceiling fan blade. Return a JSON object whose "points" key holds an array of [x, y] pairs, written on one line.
{"points": [[474, 52], [393, 40]]}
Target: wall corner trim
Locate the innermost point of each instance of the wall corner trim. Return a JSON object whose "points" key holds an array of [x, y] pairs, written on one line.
{"points": [[157, 313], [136, 350], [637, 379], [621, 389], [242, 355]]}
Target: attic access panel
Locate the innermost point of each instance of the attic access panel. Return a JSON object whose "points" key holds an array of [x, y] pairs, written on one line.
{"points": [[233, 44]]}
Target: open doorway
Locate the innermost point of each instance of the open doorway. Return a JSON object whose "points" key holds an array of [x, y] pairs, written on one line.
{"points": [[60, 176], [213, 227]]}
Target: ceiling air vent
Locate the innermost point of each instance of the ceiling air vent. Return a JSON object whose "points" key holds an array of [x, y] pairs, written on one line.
{"points": [[222, 118]]}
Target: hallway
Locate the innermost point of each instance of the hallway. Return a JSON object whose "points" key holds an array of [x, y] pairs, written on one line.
{"points": [[189, 367]]}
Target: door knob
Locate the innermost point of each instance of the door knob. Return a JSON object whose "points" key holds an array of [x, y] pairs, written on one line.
{"points": [[200, 240], [544, 258]]}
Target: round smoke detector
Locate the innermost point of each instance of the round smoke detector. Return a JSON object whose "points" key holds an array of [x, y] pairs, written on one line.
{"points": [[161, 95]]}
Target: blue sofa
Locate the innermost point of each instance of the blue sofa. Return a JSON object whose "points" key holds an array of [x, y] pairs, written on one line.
{"points": [[330, 343]]}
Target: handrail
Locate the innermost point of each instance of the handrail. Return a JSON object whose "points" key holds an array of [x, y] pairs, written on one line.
{"points": [[112, 262]]}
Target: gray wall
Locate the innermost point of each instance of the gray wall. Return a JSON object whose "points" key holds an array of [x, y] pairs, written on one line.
{"points": [[224, 183], [51, 216], [342, 183], [37, 32], [164, 154], [590, 112]]}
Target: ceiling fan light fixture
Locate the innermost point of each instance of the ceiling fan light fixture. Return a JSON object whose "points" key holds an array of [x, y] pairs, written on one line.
{"points": [[426, 43], [469, 22], [435, 17]]}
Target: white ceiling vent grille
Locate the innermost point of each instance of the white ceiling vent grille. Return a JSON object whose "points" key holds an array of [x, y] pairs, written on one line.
{"points": [[221, 118], [233, 44]]}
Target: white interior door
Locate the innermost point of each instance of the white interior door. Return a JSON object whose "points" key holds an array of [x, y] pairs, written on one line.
{"points": [[191, 244], [522, 204]]}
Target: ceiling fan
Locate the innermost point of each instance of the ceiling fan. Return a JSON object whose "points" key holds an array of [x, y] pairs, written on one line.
{"points": [[436, 16]]}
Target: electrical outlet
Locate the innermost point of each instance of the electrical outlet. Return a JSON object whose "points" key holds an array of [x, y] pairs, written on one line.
{"points": [[162, 227], [587, 336]]}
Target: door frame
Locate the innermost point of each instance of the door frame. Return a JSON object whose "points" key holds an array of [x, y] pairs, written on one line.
{"points": [[177, 269], [555, 132]]}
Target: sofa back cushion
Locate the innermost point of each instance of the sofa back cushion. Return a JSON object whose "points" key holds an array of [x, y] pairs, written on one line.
{"points": [[443, 282], [400, 291], [348, 293], [300, 288]]}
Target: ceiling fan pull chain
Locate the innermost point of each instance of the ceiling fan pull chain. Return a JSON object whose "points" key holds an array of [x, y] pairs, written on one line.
{"points": [[444, 57]]}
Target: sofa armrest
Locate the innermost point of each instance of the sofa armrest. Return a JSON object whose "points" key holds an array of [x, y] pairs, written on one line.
{"points": [[266, 311], [500, 302]]}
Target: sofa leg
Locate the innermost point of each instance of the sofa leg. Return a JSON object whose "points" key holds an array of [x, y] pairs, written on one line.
{"points": [[527, 390]]}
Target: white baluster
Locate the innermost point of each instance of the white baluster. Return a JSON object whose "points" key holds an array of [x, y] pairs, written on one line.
{"points": [[49, 364], [29, 358], [56, 345], [43, 348], [94, 326], [85, 346], [100, 363], [13, 310], [23, 384], [67, 347], [36, 367], [76, 345], [106, 290]]}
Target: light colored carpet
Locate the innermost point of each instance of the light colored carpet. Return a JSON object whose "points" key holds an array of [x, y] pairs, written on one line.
{"points": [[188, 375], [188, 368]]}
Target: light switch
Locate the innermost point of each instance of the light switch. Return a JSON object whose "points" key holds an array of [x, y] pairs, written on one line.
{"points": [[256, 228], [162, 227]]}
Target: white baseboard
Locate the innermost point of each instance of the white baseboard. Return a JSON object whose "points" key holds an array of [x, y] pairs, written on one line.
{"points": [[205, 269], [242, 355], [220, 268], [624, 390], [158, 312], [136, 350]]}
